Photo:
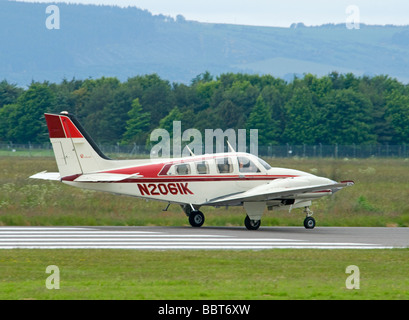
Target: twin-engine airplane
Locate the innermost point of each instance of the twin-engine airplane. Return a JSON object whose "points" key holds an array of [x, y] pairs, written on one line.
{"points": [[222, 179]]}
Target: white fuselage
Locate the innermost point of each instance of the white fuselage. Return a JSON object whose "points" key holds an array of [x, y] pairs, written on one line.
{"points": [[200, 179]]}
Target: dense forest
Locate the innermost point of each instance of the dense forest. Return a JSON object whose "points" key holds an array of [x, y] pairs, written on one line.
{"points": [[333, 109]]}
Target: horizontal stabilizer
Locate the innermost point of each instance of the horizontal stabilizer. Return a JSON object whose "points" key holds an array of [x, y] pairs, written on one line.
{"points": [[54, 176], [106, 177]]}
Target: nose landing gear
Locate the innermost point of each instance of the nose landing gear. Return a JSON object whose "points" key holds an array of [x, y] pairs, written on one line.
{"points": [[309, 221]]}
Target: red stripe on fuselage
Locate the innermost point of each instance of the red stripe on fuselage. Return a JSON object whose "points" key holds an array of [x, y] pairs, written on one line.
{"points": [[149, 170], [185, 179]]}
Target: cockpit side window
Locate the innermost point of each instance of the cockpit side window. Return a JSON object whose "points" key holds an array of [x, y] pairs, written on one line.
{"points": [[247, 166], [224, 165]]}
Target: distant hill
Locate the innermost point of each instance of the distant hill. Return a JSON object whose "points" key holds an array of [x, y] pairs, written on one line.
{"points": [[95, 41]]}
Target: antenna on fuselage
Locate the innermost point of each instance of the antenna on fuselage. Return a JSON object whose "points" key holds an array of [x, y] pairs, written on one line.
{"points": [[191, 152], [230, 147]]}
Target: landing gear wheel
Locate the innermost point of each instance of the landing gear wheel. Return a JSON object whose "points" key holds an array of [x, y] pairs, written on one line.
{"points": [[309, 223], [252, 224], [196, 219]]}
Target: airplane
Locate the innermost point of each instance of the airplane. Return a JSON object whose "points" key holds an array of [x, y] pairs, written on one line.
{"points": [[220, 179]]}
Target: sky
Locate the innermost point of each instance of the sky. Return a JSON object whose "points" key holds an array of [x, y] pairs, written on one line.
{"points": [[274, 13]]}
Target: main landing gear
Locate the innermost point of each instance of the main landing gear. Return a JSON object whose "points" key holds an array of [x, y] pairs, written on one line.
{"points": [[252, 224], [309, 221], [196, 217]]}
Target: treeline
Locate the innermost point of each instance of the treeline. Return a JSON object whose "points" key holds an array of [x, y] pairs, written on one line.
{"points": [[334, 109]]}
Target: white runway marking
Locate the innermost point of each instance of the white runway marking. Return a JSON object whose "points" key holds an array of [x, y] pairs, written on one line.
{"points": [[42, 228], [98, 238]]}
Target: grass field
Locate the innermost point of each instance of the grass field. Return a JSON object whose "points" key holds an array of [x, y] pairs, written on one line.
{"points": [[377, 199], [202, 275]]}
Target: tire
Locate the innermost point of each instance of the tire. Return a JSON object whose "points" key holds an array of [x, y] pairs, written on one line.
{"points": [[196, 219], [252, 224], [309, 223]]}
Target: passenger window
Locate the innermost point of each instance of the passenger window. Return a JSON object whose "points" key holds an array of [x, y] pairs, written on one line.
{"points": [[182, 169], [202, 167], [247, 166], [224, 165]]}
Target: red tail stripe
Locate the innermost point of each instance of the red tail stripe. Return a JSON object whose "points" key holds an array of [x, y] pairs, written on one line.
{"points": [[54, 125], [71, 130], [61, 127]]}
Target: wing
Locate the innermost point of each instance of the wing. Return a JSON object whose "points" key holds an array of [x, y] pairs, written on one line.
{"points": [[277, 190]]}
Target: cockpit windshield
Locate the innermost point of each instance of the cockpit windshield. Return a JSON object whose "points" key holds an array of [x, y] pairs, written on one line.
{"points": [[264, 164], [247, 166]]}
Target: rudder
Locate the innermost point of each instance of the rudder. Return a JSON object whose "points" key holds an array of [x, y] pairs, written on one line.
{"points": [[75, 152]]}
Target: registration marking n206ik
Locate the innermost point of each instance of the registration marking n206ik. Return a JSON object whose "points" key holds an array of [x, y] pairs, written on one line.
{"points": [[157, 189]]}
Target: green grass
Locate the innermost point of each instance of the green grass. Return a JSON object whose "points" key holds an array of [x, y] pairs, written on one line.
{"points": [[377, 199], [201, 275], [17, 153]]}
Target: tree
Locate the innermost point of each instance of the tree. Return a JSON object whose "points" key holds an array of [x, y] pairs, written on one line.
{"points": [[260, 118], [9, 93], [64, 94], [25, 118], [202, 78], [9, 115], [114, 115], [138, 124], [349, 118], [397, 114], [337, 108], [236, 104], [274, 99], [167, 122], [302, 118], [154, 94], [95, 114], [379, 90]]}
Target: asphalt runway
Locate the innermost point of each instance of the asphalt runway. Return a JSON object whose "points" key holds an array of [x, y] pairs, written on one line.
{"points": [[205, 238]]}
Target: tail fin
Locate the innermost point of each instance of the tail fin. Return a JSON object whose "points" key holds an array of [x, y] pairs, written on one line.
{"points": [[74, 150]]}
